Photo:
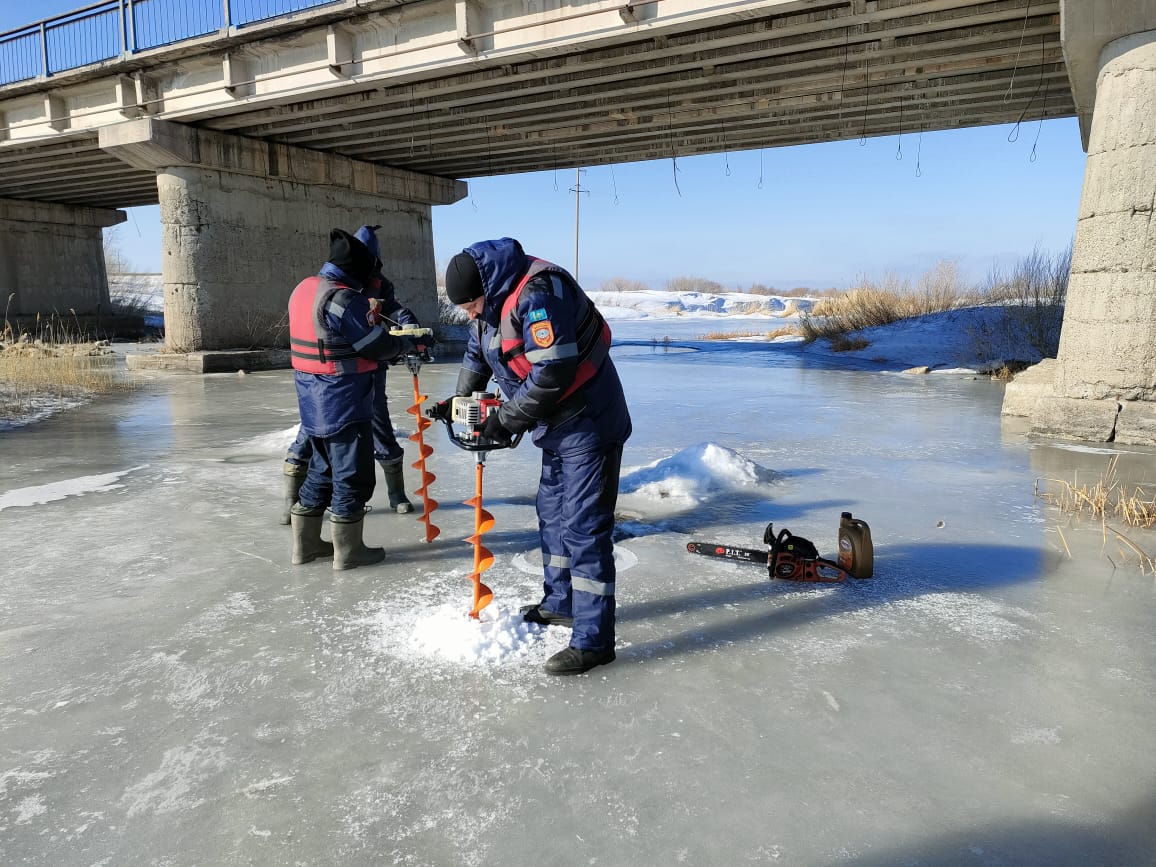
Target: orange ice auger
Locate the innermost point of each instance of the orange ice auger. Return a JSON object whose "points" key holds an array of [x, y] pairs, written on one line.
{"points": [[471, 412], [483, 556], [413, 360]]}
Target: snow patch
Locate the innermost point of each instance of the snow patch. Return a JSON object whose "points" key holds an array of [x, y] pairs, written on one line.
{"points": [[42, 494]]}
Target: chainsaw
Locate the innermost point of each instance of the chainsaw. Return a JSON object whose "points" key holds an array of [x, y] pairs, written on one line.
{"points": [[788, 557]]}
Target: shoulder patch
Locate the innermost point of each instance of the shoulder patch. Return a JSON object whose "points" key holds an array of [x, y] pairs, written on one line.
{"points": [[542, 333], [538, 314]]}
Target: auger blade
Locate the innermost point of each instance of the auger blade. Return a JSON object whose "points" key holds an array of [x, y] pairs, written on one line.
{"points": [[424, 451], [483, 596], [431, 531]]}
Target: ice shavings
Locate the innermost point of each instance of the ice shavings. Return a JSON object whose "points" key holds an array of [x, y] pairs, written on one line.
{"points": [[447, 633], [690, 476], [39, 495]]}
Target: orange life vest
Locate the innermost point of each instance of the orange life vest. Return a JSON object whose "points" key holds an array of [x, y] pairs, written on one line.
{"points": [[314, 347], [593, 334]]}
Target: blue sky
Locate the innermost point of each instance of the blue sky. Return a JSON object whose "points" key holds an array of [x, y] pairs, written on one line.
{"points": [[813, 215]]}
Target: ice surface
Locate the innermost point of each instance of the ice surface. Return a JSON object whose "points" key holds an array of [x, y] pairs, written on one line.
{"points": [[175, 692]]}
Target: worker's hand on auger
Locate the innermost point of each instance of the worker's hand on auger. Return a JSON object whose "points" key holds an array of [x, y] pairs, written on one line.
{"points": [[442, 410], [493, 430]]}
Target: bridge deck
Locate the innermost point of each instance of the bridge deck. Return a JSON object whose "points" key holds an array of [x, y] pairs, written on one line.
{"points": [[705, 79]]}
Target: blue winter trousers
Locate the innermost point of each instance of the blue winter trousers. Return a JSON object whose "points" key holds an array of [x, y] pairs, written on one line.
{"points": [[577, 494], [385, 445], [341, 472]]}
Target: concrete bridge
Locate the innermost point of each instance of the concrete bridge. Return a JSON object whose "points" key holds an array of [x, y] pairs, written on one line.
{"points": [[258, 124]]}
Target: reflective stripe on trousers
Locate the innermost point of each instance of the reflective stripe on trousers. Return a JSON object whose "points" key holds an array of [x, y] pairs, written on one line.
{"points": [[577, 494]]}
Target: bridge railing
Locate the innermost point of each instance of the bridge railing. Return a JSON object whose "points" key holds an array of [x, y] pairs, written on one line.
{"points": [[119, 28]]}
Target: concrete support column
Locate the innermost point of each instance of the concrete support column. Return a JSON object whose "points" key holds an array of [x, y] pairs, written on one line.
{"points": [[1105, 376], [52, 258], [244, 221]]}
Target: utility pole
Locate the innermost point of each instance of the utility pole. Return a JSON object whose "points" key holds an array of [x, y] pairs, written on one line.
{"points": [[577, 191]]}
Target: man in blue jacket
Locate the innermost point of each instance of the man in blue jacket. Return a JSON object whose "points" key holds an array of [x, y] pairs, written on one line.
{"points": [[336, 349], [386, 450], [539, 335]]}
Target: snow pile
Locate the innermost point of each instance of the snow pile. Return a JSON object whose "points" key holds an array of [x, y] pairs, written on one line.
{"points": [[690, 477]]}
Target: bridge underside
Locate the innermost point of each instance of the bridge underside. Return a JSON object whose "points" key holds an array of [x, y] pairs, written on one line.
{"points": [[761, 75]]}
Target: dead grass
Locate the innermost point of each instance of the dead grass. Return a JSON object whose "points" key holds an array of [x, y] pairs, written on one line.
{"points": [[1107, 499], [842, 343], [729, 335], [33, 369], [785, 331], [870, 304]]}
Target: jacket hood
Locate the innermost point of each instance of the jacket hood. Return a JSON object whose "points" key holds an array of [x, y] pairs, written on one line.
{"points": [[501, 264]]}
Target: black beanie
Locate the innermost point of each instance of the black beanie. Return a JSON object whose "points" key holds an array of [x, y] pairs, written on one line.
{"points": [[463, 281], [351, 256]]}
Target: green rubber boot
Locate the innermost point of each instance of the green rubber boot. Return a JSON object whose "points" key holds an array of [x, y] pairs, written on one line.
{"points": [[349, 551], [294, 478], [395, 486], [307, 542]]}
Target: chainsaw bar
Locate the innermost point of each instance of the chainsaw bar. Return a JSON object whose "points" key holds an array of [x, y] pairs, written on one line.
{"points": [[728, 552]]}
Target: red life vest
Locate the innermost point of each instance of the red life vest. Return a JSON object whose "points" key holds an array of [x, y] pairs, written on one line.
{"points": [[314, 347], [593, 334]]}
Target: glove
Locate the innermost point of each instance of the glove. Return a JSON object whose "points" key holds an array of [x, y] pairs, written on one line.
{"points": [[443, 410], [492, 429]]}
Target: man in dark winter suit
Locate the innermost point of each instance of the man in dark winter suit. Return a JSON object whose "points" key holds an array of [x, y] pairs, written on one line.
{"points": [[539, 335]]}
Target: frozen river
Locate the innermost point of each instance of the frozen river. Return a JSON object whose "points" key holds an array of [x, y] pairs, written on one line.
{"points": [[174, 692]]}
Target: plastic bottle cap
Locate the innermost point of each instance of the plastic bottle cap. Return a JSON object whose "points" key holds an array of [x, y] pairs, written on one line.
{"points": [[846, 515]]}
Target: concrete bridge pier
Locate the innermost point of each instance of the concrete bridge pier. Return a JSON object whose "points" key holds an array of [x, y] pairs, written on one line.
{"points": [[52, 259], [243, 221], [1103, 382]]}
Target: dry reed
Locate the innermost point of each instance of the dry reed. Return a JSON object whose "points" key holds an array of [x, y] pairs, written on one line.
{"points": [[1108, 499]]}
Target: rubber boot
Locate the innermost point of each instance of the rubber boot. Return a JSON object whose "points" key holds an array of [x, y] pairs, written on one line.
{"points": [[294, 478], [307, 542], [349, 551], [395, 486]]}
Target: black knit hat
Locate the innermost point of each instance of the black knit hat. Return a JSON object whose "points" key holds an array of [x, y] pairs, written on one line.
{"points": [[463, 280], [351, 256]]}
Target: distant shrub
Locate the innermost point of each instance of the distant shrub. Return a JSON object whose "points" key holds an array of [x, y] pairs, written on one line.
{"points": [[1031, 299], [760, 289], [694, 284], [621, 284]]}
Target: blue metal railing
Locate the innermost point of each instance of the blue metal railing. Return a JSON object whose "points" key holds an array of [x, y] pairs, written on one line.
{"points": [[116, 28]]}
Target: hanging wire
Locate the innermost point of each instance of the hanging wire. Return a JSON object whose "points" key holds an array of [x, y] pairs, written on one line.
{"points": [[919, 152], [1016, 66], [1014, 135], [866, 100], [760, 186], [899, 149], [1040, 128], [726, 156], [614, 185], [673, 152]]}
